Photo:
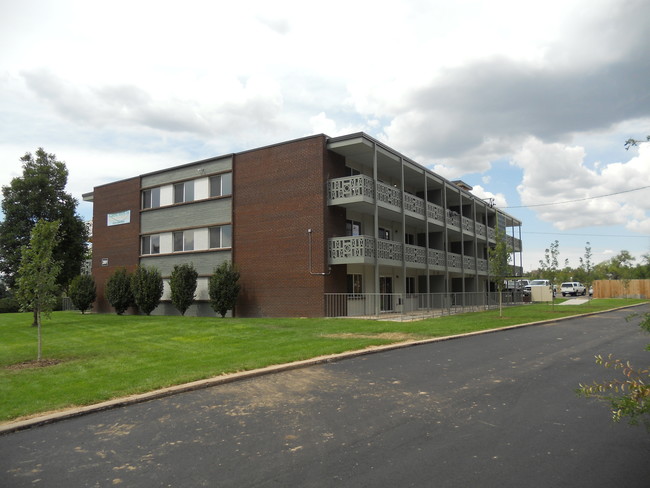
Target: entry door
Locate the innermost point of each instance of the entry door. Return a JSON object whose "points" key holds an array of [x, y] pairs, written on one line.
{"points": [[386, 290]]}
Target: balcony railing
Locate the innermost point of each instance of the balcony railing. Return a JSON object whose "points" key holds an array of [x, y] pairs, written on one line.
{"points": [[364, 249], [414, 306], [435, 213], [351, 187], [361, 188]]}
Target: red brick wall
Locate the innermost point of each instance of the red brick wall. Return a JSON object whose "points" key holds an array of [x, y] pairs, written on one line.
{"points": [[119, 243], [279, 193]]}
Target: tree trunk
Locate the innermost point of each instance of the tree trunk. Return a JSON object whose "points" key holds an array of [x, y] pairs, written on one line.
{"points": [[35, 322], [38, 320]]}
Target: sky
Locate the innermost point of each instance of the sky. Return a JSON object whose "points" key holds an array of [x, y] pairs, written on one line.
{"points": [[529, 102]]}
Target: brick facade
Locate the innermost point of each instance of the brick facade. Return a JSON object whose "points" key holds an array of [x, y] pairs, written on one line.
{"points": [[279, 193], [119, 244]]}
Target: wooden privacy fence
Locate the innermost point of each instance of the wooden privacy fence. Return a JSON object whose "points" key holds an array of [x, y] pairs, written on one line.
{"points": [[621, 289]]}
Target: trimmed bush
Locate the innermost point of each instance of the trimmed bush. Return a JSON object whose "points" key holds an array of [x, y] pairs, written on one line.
{"points": [[118, 290], [183, 285], [82, 292], [147, 286], [223, 288]]}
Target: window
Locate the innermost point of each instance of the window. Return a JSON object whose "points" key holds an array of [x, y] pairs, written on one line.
{"points": [[409, 239], [184, 192], [221, 236], [221, 185], [410, 284], [184, 241], [352, 228], [384, 234], [151, 244], [355, 284], [151, 198]]}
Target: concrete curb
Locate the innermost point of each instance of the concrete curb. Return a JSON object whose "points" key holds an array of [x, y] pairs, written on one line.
{"points": [[56, 416]]}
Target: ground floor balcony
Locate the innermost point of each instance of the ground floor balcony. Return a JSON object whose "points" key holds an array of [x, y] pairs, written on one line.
{"points": [[369, 250], [414, 306]]}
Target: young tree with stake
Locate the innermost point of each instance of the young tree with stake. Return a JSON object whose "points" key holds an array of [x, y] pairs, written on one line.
{"points": [[38, 272]]}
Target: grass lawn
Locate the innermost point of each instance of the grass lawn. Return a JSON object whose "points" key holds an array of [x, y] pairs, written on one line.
{"points": [[98, 357]]}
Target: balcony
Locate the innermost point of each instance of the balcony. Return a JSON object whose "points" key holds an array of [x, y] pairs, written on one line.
{"points": [[364, 250], [359, 190]]}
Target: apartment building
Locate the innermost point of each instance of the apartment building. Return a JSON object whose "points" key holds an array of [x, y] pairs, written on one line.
{"points": [[316, 226]]}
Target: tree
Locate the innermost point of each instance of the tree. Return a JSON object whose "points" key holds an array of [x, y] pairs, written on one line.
{"points": [[223, 288], [39, 194], [118, 290], [549, 265], [499, 263], [629, 397], [37, 288], [82, 292], [147, 286], [634, 142], [183, 285]]}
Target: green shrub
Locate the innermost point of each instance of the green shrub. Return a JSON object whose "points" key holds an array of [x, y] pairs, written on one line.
{"points": [[9, 305], [223, 288], [147, 286], [83, 292], [118, 290], [183, 286]]}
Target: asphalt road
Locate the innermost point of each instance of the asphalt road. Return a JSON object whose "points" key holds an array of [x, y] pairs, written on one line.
{"points": [[495, 410]]}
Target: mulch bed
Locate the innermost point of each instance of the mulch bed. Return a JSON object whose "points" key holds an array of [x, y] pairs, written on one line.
{"points": [[43, 363]]}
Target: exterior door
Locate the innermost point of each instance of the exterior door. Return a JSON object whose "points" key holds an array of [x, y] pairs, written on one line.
{"points": [[385, 293]]}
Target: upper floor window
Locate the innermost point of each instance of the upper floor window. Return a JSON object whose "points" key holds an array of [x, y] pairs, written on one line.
{"points": [[384, 233], [184, 192], [221, 185], [221, 236], [352, 228], [184, 241], [409, 239], [151, 198], [151, 244]]}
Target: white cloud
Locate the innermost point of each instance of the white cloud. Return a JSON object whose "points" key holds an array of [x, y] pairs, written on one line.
{"points": [[555, 173], [498, 199]]}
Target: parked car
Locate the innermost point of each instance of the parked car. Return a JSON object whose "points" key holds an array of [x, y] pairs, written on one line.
{"points": [[527, 288], [574, 288]]}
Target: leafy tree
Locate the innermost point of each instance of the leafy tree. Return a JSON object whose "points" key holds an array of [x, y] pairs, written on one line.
{"points": [[183, 285], [499, 258], [549, 266], [37, 288], [634, 142], [629, 397], [82, 292], [118, 290], [147, 286], [39, 194], [223, 288]]}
